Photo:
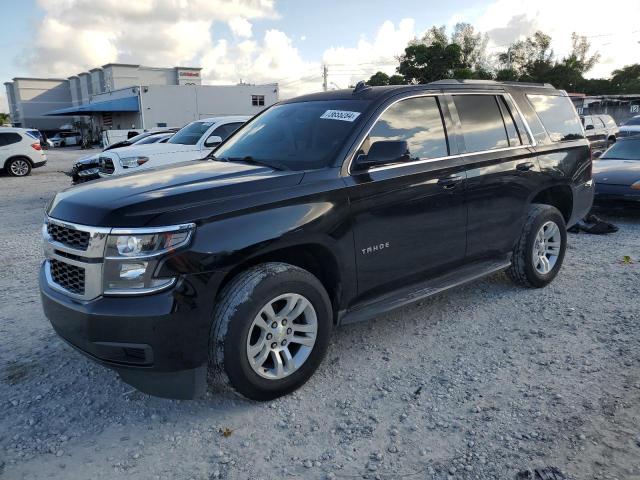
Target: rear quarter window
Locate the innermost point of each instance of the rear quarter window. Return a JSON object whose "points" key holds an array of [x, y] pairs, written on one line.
{"points": [[9, 138], [558, 117]]}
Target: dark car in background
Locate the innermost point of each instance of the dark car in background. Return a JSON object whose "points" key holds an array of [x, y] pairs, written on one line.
{"points": [[137, 138], [88, 168], [601, 130], [617, 174], [631, 127]]}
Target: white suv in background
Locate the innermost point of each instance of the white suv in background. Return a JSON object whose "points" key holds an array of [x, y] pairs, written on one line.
{"points": [[192, 142], [20, 151]]}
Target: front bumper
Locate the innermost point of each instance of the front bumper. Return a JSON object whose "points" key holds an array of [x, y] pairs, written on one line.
{"points": [[157, 343]]}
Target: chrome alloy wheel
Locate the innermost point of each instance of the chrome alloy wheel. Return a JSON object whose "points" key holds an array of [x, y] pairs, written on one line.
{"points": [[282, 336], [19, 167], [546, 247]]}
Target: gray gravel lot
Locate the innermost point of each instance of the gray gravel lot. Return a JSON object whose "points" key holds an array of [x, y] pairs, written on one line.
{"points": [[480, 382]]}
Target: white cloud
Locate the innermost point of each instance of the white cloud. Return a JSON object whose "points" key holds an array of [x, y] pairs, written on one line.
{"points": [[616, 40], [240, 27], [347, 65]]}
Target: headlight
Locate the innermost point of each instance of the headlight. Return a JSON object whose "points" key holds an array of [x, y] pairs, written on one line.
{"points": [[133, 162], [90, 171], [636, 185], [132, 255]]}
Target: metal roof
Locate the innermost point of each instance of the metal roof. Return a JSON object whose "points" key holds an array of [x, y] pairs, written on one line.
{"points": [[126, 104]]}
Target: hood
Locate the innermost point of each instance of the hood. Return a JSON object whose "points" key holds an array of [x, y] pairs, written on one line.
{"points": [[616, 172], [151, 149], [184, 192]]}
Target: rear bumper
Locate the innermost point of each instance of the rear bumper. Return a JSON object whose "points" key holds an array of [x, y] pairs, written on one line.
{"points": [[157, 343], [41, 163]]}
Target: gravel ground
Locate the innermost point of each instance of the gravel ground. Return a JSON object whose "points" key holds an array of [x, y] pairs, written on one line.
{"points": [[480, 382]]}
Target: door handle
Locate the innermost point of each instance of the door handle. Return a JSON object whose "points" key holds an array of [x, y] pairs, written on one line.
{"points": [[524, 167], [450, 181]]}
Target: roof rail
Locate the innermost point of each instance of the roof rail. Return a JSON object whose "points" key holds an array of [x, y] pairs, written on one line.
{"points": [[361, 86], [450, 81]]}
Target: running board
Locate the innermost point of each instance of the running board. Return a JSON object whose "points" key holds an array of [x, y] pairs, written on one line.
{"points": [[420, 291]]}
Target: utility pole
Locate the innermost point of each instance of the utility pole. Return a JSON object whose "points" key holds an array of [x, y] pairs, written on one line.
{"points": [[325, 75]]}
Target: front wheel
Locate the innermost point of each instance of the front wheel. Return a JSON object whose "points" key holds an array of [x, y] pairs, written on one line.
{"points": [[539, 252], [271, 330]]}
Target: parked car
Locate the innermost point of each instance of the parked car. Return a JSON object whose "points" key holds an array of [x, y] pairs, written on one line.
{"points": [[20, 151], [322, 210], [66, 139], [617, 174], [631, 127], [601, 130], [137, 138], [192, 142], [87, 168]]}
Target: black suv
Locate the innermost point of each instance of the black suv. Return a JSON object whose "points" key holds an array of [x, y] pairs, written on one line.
{"points": [[322, 210]]}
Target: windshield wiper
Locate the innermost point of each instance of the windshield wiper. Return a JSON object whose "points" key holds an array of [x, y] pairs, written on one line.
{"points": [[252, 161]]}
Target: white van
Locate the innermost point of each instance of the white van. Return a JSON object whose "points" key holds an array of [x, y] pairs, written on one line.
{"points": [[192, 142]]}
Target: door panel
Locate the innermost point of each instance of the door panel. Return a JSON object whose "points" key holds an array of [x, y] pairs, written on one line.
{"points": [[409, 223]]}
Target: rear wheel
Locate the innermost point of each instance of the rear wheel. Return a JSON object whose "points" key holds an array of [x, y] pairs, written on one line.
{"points": [[18, 167], [271, 330], [539, 252]]}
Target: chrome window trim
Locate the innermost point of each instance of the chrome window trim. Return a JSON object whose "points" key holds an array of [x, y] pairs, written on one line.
{"points": [[151, 230], [511, 101]]}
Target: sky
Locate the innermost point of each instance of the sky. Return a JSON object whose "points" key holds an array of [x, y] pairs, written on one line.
{"points": [[286, 41]]}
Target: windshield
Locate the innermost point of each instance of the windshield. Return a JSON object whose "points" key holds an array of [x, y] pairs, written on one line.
{"points": [[190, 134], [633, 121], [623, 150], [297, 136]]}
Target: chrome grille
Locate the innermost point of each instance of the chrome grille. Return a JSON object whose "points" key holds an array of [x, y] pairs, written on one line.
{"points": [[69, 277], [106, 165], [67, 236]]}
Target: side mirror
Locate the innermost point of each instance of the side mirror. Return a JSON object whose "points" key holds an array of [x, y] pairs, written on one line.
{"points": [[212, 141], [597, 154], [384, 152], [589, 127]]}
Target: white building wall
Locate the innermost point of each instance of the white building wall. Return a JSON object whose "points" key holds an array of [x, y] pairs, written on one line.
{"points": [[36, 96], [176, 106], [85, 87]]}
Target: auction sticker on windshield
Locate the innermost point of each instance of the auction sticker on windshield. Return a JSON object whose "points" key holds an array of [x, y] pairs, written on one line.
{"points": [[343, 115]]}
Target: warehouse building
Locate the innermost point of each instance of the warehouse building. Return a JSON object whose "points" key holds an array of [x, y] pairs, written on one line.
{"points": [[123, 96]]}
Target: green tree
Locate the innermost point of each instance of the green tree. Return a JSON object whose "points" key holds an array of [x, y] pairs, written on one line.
{"points": [[627, 79], [423, 64], [473, 46], [4, 118], [378, 79], [397, 80]]}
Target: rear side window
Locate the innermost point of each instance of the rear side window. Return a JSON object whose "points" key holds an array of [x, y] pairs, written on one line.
{"points": [[558, 117], [509, 124], [34, 134], [415, 120], [608, 121], [9, 138], [482, 125]]}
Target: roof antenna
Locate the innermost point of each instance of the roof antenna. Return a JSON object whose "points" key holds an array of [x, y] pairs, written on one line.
{"points": [[361, 86]]}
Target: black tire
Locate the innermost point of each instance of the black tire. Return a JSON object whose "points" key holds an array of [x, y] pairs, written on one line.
{"points": [[237, 306], [18, 167], [522, 270]]}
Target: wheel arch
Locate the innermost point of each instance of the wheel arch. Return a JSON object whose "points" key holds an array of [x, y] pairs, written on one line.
{"points": [[316, 258], [559, 196]]}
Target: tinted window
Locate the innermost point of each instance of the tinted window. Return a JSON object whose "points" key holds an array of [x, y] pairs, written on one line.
{"points": [[623, 150], [482, 124], [298, 136], [558, 117], [190, 134], [151, 139], [608, 121], [225, 131], [34, 134], [417, 121], [509, 124], [9, 138], [633, 121]]}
